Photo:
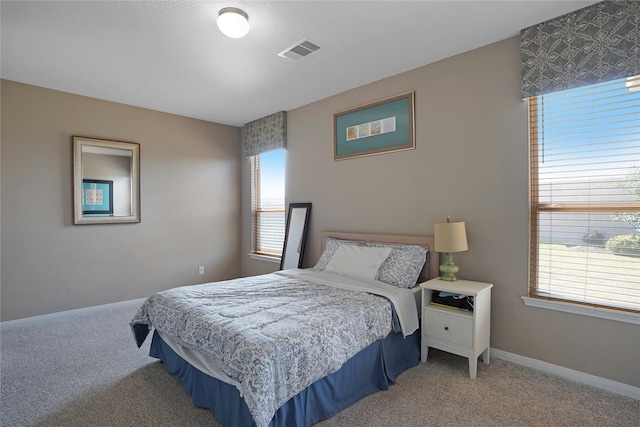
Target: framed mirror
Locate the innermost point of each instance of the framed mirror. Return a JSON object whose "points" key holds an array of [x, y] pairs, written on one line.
{"points": [[295, 237], [106, 181]]}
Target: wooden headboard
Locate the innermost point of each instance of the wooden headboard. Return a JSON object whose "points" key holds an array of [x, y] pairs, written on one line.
{"points": [[432, 266]]}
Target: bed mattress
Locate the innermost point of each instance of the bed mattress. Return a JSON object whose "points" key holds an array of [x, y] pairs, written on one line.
{"points": [[209, 367], [271, 336]]}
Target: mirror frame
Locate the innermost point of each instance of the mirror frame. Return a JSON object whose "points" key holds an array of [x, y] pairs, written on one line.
{"points": [[79, 218], [303, 238]]}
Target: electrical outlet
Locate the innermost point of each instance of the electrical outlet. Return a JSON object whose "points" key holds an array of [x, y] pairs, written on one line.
{"points": [[201, 269]]}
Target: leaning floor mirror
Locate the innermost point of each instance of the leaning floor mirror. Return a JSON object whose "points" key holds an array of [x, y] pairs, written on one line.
{"points": [[295, 237], [106, 181]]}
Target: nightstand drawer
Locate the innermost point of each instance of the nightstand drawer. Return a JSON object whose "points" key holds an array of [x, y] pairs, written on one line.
{"points": [[447, 327]]}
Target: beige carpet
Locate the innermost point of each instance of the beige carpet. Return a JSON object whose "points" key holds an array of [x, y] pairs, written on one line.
{"points": [[63, 373]]}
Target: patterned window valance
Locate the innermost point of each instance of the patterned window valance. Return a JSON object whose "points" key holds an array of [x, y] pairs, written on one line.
{"points": [[265, 134], [591, 45]]}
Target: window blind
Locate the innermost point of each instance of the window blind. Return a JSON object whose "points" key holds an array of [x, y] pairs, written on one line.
{"points": [[267, 220], [585, 195]]}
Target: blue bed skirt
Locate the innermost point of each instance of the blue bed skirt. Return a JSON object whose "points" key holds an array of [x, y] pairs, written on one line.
{"points": [[373, 369]]}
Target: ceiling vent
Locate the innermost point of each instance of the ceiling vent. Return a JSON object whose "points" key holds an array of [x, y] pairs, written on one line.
{"points": [[299, 50]]}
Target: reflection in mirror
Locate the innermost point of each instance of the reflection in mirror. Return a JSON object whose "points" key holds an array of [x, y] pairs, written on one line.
{"points": [[295, 237], [106, 179]]}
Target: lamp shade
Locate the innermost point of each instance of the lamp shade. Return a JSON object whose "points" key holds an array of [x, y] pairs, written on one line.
{"points": [[450, 237], [233, 22]]}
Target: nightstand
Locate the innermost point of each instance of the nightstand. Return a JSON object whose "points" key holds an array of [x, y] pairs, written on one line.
{"points": [[462, 332]]}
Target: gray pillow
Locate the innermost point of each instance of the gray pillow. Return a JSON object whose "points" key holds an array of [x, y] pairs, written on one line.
{"points": [[401, 268], [403, 265]]}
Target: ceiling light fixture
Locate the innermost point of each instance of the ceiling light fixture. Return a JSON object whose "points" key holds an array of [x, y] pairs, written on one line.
{"points": [[233, 22]]}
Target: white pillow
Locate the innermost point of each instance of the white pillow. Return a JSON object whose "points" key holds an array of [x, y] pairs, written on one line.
{"points": [[358, 261], [329, 249]]}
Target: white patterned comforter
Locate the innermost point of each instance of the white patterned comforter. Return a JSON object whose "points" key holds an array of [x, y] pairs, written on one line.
{"points": [[275, 334]]}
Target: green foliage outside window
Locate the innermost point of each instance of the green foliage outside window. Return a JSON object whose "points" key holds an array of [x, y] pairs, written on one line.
{"points": [[632, 184], [627, 244]]}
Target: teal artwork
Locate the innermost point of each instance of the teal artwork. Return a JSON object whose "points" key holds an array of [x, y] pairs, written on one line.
{"points": [[383, 126], [97, 197]]}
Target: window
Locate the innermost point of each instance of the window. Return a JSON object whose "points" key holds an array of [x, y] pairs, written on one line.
{"points": [[585, 195], [267, 203]]}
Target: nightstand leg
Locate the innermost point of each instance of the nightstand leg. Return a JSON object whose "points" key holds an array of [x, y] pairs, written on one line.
{"points": [[485, 356], [473, 367], [424, 353]]}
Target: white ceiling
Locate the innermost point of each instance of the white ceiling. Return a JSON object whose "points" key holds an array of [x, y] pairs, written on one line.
{"points": [[170, 56]]}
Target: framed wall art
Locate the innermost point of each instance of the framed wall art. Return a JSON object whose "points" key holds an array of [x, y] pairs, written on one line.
{"points": [[378, 127], [97, 197]]}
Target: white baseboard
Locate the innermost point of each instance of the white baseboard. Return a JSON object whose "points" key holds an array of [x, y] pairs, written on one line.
{"points": [[570, 374], [46, 318]]}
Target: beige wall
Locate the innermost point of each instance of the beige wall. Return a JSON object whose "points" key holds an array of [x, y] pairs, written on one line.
{"points": [[471, 163], [190, 201]]}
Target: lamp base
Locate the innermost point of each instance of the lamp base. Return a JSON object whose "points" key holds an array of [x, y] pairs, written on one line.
{"points": [[448, 269]]}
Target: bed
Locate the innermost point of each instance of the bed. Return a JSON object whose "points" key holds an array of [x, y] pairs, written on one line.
{"points": [[294, 347]]}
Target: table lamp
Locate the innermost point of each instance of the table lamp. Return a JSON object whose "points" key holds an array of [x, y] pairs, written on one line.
{"points": [[450, 237]]}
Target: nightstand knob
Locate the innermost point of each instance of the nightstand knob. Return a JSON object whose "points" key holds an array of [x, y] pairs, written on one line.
{"points": [[446, 328]]}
